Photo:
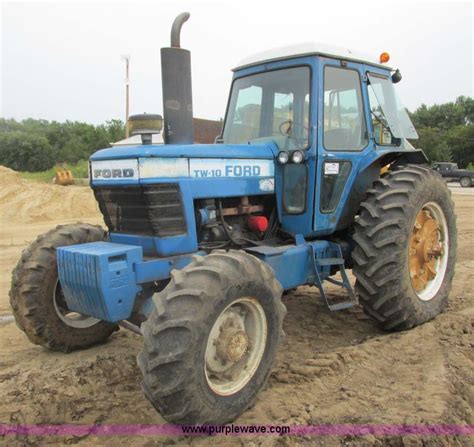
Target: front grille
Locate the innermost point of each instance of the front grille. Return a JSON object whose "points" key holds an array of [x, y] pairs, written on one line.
{"points": [[154, 210]]}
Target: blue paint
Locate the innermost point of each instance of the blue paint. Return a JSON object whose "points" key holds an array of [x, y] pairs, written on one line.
{"points": [[254, 150], [98, 278], [103, 279], [159, 269], [207, 187], [293, 265], [147, 243]]}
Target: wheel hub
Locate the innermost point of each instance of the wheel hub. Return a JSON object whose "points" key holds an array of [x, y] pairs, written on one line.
{"points": [[229, 341], [235, 346], [232, 345], [426, 248]]}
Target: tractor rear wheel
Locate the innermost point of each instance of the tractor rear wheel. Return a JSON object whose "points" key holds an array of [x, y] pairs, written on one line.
{"points": [[405, 249], [36, 298], [211, 341]]}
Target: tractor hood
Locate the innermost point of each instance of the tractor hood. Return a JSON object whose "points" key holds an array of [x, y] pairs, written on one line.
{"points": [[266, 150], [142, 164]]}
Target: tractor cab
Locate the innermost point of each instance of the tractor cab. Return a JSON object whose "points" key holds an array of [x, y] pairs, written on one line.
{"points": [[331, 113]]}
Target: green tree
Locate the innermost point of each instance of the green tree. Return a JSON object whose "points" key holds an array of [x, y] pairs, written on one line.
{"points": [[460, 140], [433, 143], [24, 152], [115, 130], [446, 131], [70, 141], [445, 116], [73, 150]]}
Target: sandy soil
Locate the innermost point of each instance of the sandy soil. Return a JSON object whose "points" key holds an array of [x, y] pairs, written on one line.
{"points": [[331, 368]]}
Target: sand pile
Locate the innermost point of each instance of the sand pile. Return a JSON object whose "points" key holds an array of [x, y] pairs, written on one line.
{"points": [[8, 176], [26, 201]]}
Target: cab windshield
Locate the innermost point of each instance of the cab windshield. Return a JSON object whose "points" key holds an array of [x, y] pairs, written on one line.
{"points": [[271, 105]]}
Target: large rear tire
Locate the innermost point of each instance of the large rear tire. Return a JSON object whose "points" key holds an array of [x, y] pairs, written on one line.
{"points": [[405, 249], [211, 341], [36, 298]]}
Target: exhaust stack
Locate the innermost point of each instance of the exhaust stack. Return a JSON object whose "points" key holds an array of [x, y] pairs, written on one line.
{"points": [[177, 88]]}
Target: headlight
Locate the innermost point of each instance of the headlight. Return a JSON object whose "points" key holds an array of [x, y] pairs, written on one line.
{"points": [[297, 157], [283, 157]]}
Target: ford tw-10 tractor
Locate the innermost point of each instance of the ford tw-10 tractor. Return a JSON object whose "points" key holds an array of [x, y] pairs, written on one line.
{"points": [[312, 175]]}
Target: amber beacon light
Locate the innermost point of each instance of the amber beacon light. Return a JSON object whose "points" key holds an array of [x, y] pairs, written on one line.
{"points": [[384, 58]]}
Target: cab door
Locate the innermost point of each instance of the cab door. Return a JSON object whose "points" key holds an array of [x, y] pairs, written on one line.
{"points": [[343, 138]]}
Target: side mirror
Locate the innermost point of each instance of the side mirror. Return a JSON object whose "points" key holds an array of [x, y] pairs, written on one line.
{"points": [[219, 140], [397, 76]]}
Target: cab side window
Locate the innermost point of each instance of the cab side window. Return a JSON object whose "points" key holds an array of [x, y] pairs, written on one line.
{"points": [[344, 122]]}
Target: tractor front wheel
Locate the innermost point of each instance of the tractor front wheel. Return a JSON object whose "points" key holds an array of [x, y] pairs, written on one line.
{"points": [[37, 300], [211, 341], [405, 249]]}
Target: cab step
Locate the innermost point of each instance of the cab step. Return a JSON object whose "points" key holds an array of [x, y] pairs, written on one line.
{"points": [[318, 264]]}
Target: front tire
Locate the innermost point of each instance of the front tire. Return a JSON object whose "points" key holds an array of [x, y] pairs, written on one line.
{"points": [[405, 249], [36, 298], [211, 341]]}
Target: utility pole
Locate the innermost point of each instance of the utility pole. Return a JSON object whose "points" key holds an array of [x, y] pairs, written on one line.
{"points": [[126, 58]]}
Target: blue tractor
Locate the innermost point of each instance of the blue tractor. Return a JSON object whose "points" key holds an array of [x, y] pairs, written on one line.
{"points": [[312, 175]]}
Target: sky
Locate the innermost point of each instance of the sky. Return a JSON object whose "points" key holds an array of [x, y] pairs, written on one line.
{"points": [[63, 61]]}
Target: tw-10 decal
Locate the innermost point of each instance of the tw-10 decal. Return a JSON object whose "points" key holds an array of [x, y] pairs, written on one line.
{"points": [[224, 167]]}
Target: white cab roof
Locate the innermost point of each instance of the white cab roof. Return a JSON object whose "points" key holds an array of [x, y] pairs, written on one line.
{"points": [[307, 49]]}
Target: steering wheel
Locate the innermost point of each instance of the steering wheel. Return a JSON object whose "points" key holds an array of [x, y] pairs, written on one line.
{"points": [[288, 132]]}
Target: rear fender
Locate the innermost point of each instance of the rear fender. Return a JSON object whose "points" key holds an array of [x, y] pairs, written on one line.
{"points": [[415, 157], [367, 177]]}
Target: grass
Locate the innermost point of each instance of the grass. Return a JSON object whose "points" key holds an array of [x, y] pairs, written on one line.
{"points": [[80, 170]]}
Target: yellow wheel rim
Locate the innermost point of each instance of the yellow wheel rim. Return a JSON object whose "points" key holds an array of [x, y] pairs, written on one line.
{"points": [[428, 251]]}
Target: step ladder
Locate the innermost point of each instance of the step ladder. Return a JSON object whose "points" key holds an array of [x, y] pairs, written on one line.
{"points": [[338, 261]]}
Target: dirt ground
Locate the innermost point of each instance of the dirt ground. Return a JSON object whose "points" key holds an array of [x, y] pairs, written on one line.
{"points": [[332, 368]]}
